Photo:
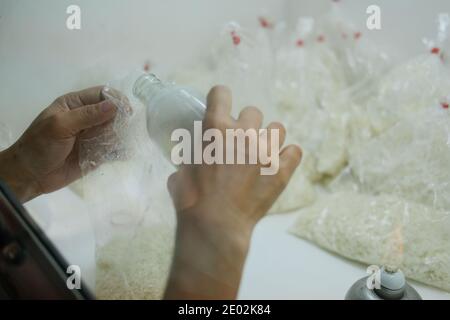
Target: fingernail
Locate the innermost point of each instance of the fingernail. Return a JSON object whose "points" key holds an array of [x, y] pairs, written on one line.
{"points": [[107, 106]]}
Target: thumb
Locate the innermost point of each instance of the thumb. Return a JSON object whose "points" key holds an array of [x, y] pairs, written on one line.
{"points": [[89, 116]]}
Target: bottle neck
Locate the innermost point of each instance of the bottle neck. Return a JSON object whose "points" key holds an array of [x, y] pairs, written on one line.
{"points": [[147, 87]]}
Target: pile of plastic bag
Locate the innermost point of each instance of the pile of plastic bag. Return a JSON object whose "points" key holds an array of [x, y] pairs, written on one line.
{"points": [[373, 185]]}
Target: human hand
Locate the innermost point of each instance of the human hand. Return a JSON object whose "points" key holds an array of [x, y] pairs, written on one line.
{"points": [[219, 205], [239, 193], [45, 158]]}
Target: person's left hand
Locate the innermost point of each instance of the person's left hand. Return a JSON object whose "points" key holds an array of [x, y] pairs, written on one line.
{"points": [[45, 158]]}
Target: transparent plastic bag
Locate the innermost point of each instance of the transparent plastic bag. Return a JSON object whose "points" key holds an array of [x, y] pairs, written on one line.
{"points": [[410, 160], [124, 185], [382, 230], [408, 148], [390, 205], [413, 85]]}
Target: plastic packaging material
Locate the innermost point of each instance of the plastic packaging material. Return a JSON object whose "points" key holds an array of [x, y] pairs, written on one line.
{"points": [[241, 59], [311, 98], [363, 61], [410, 159], [244, 61], [128, 202], [440, 45], [412, 86], [136, 268], [405, 146], [390, 205], [301, 193], [382, 230]]}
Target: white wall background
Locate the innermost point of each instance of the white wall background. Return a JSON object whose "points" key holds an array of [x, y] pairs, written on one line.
{"points": [[404, 22], [40, 59]]}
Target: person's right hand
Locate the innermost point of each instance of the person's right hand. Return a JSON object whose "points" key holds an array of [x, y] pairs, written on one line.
{"points": [[218, 207]]}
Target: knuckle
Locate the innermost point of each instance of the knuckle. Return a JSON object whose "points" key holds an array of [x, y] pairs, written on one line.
{"points": [[72, 100]]}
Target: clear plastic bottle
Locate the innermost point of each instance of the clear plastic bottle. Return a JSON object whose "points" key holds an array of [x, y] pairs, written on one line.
{"points": [[169, 107]]}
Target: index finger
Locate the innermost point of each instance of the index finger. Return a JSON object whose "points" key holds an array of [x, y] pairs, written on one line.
{"points": [[219, 102]]}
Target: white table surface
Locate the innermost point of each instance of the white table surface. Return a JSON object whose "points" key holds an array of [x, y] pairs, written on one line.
{"points": [[282, 266]]}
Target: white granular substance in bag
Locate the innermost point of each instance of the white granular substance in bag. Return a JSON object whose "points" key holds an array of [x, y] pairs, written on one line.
{"points": [[410, 87], [137, 267], [382, 230], [410, 160], [395, 205]]}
